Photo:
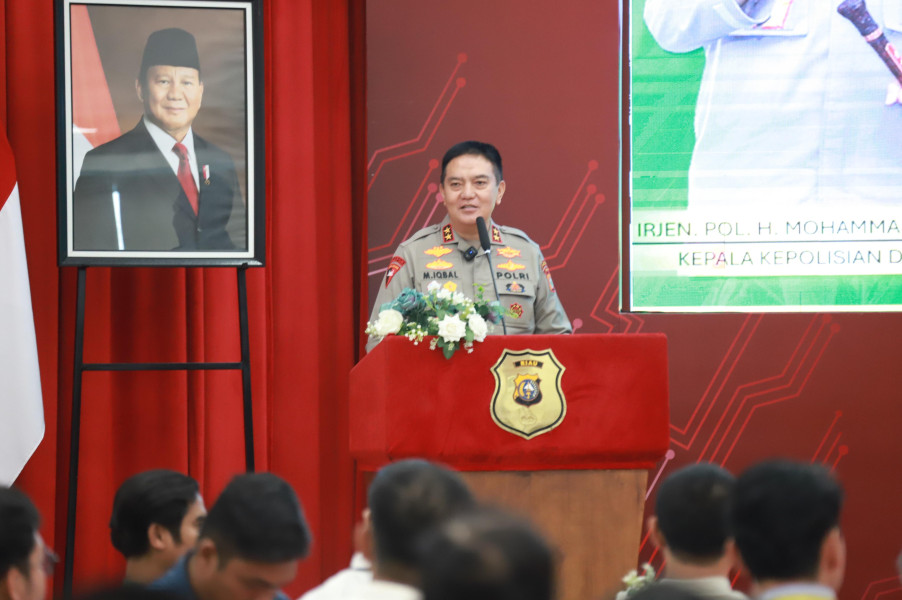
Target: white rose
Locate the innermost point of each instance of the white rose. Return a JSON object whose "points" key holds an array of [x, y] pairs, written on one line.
{"points": [[389, 321], [459, 298], [443, 294], [478, 326], [451, 328], [433, 286]]}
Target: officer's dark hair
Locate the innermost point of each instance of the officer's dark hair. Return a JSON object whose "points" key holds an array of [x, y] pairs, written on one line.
{"points": [[486, 555], [405, 500], [158, 496], [693, 511], [257, 517], [473, 148], [19, 522], [782, 512]]}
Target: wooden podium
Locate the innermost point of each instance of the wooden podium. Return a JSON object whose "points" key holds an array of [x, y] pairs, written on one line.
{"points": [[581, 479]]}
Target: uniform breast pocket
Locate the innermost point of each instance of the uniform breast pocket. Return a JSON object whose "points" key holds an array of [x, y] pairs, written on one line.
{"points": [[518, 300]]}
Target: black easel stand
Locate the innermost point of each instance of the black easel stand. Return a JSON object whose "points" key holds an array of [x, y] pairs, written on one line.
{"points": [[81, 367]]}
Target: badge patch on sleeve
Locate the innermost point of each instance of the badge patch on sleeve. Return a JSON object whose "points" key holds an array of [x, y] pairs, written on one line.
{"points": [[547, 272], [396, 263]]}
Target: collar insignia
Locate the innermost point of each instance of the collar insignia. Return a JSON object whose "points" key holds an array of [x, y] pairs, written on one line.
{"points": [[447, 233], [496, 235]]}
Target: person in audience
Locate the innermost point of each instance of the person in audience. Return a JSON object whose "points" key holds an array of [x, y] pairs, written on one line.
{"points": [[25, 561], [691, 526], [785, 518], [486, 555], [249, 544], [156, 519], [405, 500]]}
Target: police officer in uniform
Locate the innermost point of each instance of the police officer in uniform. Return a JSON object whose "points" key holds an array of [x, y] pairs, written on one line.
{"points": [[449, 252]]}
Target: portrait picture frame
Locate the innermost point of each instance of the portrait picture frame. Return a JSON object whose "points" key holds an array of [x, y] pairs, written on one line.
{"points": [[133, 77]]}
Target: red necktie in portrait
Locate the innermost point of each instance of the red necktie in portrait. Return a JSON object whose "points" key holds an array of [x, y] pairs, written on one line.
{"points": [[184, 175]]}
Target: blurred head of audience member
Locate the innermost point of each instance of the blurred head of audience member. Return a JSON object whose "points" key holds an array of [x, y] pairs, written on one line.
{"points": [[486, 554], [249, 545], [691, 522], [25, 562], [405, 500], [786, 524], [656, 591], [156, 519]]}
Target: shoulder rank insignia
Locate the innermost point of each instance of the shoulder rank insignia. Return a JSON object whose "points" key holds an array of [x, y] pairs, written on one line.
{"points": [[396, 263], [528, 399], [547, 272], [508, 252], [437, 251], [496, 235], [447, 233], [439, 264], [511, 266]]}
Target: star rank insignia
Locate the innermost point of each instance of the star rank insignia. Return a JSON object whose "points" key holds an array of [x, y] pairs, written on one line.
{"points": [[508, 252], [496, 235], [447, 233], [437, 251], [510, 265]]}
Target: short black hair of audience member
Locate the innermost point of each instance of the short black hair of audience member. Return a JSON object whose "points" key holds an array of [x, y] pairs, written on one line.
{"points": [[474, 148], [782, 512], [130, 591], [257, 517], [692, 510], [19, 523], [158, 496], [407, 498], [486, 555]]}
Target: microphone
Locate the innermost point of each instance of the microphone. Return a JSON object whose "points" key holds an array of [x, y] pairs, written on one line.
{"points": [[470, 254], [857, 12], [486, 244]]}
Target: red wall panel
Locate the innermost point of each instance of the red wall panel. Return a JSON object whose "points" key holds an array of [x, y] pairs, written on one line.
{"points": [[542, 82]]}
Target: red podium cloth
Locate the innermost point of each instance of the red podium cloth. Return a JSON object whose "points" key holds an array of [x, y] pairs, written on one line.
{"points": [[408, 401]]}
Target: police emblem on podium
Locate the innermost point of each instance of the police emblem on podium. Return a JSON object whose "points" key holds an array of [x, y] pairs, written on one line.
{"points": [[528, 400]]}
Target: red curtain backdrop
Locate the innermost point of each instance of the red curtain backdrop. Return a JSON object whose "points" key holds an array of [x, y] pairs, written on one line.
{"points": [[303, 330]]}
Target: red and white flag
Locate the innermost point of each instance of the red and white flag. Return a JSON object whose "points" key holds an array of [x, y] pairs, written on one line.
{"points": [[21, 407]]}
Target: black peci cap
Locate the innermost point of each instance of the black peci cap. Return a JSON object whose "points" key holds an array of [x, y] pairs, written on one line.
{"points": [[174, 46]]}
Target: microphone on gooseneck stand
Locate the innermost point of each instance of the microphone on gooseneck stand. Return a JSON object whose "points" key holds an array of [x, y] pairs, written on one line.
{"points": [[486, 244]]}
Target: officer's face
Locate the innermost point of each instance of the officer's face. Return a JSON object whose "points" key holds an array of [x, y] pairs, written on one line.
{"points": [[171, 97], [470, 190]]}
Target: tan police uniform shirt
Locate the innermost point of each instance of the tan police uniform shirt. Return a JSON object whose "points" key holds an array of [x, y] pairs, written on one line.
{"points": [[525, 287]]}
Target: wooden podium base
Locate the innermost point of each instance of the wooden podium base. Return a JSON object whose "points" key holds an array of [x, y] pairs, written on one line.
{"points": [[592, 518]]}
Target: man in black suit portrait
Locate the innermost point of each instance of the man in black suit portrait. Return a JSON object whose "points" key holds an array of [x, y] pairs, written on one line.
{"points": [[160, 186]]}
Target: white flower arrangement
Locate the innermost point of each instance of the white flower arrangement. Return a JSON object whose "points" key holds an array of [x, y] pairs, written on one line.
{"points": [[454, 319], [634, 582]]}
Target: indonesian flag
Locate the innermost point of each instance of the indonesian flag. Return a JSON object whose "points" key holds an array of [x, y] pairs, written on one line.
{"points": [[21, 407]]}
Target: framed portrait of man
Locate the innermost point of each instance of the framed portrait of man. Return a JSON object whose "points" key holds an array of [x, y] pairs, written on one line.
{"points": [[160, 132]]}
